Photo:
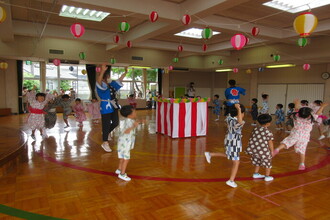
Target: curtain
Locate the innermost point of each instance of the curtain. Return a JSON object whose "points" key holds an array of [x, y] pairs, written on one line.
{"points": [[160, 81], [91, 75], [19, 65]]}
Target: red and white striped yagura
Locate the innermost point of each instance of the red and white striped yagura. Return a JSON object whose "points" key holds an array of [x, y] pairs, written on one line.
{"points": [[182, 119]]}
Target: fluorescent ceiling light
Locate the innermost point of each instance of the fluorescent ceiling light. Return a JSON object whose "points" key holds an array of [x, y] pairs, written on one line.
{"points": [[82, 13], [294, 6], [223, 70], [280, 66], [140, 67], [193, 33]]}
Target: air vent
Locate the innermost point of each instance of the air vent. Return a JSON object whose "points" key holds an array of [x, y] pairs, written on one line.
{"points": [[181, 69], [137, 58], [66, 61], [51, 51]]}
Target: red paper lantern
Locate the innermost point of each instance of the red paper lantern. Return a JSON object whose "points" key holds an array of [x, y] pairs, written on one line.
{"points": [[56, 62], [255, 31], [306, 66], [204, 47], [77, 30], [170, 68], [235, 70], [129, 44], [153, 16], [247, 41], [116, 39], [238, 41], [186, 19], [180, 48], [98, 69]]}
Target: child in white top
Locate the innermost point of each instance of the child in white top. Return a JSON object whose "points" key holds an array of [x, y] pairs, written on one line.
{"points": [[265, 106]]}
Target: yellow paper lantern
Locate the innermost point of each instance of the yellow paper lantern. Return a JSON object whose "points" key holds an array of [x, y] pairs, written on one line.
{"points": [[3, 14], [305, 24], [3, 65]]}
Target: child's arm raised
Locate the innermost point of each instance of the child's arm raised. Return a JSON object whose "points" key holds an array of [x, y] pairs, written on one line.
{"points": [[121, 78], [296, 104], [99, 77], [239, 113], [321, 108]]}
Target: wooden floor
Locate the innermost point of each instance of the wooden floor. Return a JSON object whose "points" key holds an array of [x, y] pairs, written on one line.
{"points": [[70, 176]]}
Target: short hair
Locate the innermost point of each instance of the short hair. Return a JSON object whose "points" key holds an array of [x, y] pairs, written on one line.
{"points": [[232, 82], [40, 94], [291, 105], [65, 96], [233, 111], [264, 96], [305, 102], [255, 100], [216, 95], [280, 105], [264, 119], [78, 99], [318, 102], [126, 110]]}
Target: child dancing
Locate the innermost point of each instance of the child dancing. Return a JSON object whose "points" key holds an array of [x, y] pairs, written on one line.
{"points": [[289, 117], [94, 110], [79, 110], [216, 107], [265, 106], [279, 116], [300, 133], [254, 111], [233, 140], [260, 147]]}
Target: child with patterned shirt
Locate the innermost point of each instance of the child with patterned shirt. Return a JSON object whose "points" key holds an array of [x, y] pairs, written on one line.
{"points": [[260, 147], [265, 106], [94, 110], [300, 134], [279, 116], [126, 140], [216, 107], [289, 117], [232, 93], [233, 140], [79, 110], [65, 102]]}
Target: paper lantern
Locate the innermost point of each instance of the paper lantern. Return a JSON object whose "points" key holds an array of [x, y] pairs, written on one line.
{"points": [[207, 33], [82, 55], [153, 16], [84, 72], [124, 26], [116, 39], [204, 47], [175, 60], [276, 57], [186, 19], [255, 31], [306, 66], [57, 62], [261, 69], [235, 70], [238, 41], [71, 68], [302, 42], [98, 69], [3, 15], [129, 44], [247, 41], [220, 62], [305, 24], [170, 68], [248, 71], [113, 60], [180, 48], [3, 65], [77, 30]]}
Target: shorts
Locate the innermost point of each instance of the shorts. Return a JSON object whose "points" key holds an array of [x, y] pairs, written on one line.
{"points": [[254, 116], [125, 145], [66, 113], [261, 162], [299, 144], [231, 155], [124, 154]]}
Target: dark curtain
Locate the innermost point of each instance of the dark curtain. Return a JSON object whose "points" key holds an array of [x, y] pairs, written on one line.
{"points": [[19, 65], [160, 81], [91, 75]]}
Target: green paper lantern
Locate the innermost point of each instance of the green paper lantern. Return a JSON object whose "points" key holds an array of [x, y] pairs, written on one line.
{"points": [[124, 26], [302, 42], [207, 33], [113, 61], [175, 60], [82, 55], [220, 62], [276, 57]]}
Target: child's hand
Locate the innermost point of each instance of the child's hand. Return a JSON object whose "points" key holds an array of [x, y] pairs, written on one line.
{"points": [[324, 104], [104, 68], [136, 123], [237, 106]]}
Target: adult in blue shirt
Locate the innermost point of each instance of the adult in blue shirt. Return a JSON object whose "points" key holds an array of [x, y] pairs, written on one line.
{"points": [[232, 94], [109, 105]]}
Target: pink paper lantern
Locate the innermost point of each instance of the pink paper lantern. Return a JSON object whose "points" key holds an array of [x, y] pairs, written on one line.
{"points": [[170, 68], [116, 39], [186, 19], [238, 41], [306, 66], [247, 41], [98, 69], [255, 31], [153, 16], [204, 47], [180, 48], [56, 62], [129, 44], [235, 70], [77, 30]]}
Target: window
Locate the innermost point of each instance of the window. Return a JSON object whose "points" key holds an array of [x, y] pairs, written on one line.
{"points": [[31, 74], [152, 83]]}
